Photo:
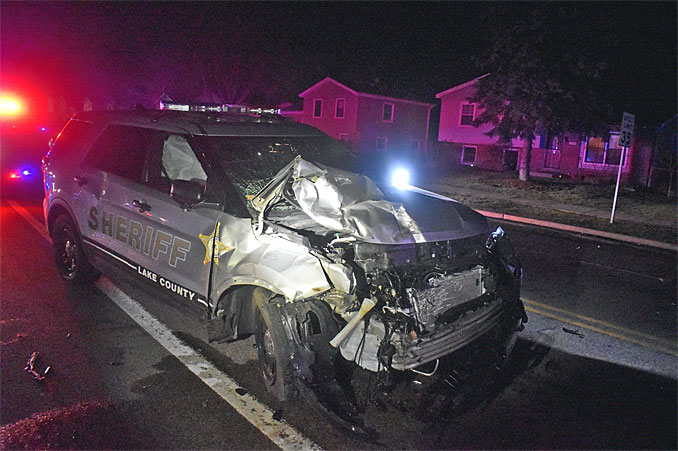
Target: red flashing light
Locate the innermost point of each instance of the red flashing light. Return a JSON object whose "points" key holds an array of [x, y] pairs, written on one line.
{"points": [[10, 106]]}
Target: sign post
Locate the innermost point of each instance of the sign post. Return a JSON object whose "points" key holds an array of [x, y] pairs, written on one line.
{"points": [[625, 135]]}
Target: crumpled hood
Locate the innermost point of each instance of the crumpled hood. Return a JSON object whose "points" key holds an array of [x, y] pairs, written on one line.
{"points": [[352, 204]]}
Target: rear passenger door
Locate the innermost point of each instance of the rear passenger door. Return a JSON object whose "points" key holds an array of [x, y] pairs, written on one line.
{"points": [[111, 177]]}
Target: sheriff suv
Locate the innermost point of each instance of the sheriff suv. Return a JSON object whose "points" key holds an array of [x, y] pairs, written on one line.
{"points": [[268, 228]]}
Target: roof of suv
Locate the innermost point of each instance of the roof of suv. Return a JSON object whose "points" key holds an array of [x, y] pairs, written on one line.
{"points": [[213, 124]]}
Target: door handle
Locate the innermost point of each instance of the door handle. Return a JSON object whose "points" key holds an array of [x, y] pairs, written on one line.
{"points": [[80, 179], [141, 205]]}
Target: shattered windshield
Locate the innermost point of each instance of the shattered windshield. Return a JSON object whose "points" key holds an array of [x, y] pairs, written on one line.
{"points": [[251, 162]]}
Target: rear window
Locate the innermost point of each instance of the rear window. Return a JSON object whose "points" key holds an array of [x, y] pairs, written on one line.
{"points": [[69, 137]]}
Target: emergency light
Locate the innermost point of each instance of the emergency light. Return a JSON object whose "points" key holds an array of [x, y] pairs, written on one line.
{"points": [[218, 108], [10, 106]]}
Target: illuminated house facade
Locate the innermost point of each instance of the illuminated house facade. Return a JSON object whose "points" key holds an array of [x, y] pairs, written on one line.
{"points": [[568, 154], [368, 122]]}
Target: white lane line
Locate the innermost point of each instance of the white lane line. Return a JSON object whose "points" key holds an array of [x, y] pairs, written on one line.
{"points": [[246, 405], [258, 414], [37, 225]]}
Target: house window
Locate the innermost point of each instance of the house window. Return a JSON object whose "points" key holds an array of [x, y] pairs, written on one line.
{"points": [[340, 108], [468, 155], [382, 143], [604, 153], [613, 153], [595, 150], [387, 113], [317, 107], [343, 136], [414, 145], [467, 114]]}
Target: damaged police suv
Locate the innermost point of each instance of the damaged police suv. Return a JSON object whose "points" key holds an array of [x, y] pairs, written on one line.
{"points": [[265, 226]]}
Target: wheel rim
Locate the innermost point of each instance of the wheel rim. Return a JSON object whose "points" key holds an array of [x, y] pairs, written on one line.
{"points": [[68, 261], [268, 364]]}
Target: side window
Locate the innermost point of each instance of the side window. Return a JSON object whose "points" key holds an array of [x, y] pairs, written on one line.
{"points": [[382, 143], [387, 113], [121, 150], [468, 155], [467, 114], [72, 133], [340, 108], [173, 159], [317, 107]]}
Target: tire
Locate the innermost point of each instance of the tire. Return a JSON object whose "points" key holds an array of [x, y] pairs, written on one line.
{"points": [[69, 257], [273, 348]]}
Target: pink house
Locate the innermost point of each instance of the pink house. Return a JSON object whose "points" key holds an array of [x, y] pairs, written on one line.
{"points": [[568, 154], [369, 122]]}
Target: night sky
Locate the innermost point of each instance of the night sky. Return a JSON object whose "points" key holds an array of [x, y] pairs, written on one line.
{"points": [[412, 50]]}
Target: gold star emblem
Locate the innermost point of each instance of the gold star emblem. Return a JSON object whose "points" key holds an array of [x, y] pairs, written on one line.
{"points": [[210, 243]]}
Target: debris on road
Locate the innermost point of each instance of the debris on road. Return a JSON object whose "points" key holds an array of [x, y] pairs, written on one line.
{"points": [[30, 367], [573, 332]]}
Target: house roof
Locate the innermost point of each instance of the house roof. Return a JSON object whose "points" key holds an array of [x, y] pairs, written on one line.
{"points": [[461, 86], [362, 94]]}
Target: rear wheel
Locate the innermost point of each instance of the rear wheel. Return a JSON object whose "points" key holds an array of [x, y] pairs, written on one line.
{"points": [[274, 349], [70, 259]]}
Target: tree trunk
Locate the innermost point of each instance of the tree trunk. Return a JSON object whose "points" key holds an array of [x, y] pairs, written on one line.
{"points": [[525, 157]]}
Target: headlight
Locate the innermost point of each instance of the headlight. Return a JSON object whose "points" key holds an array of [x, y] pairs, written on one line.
{"points": [[400, 178]]}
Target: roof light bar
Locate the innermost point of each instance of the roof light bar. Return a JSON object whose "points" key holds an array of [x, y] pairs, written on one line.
{"points": [[216, 108]]}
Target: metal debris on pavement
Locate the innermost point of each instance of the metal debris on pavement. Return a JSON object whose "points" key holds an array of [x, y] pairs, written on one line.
{"points": [[573, 332], [30, 367]]}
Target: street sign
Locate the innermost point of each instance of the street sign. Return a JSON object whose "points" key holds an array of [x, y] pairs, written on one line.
{"points": [[626, 131], [625, 135]]}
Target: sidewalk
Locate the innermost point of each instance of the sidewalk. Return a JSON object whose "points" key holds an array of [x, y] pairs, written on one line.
{"points": [[548, 213]]}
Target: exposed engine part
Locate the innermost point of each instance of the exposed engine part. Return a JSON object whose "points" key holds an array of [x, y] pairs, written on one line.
{"points": [[427, 374], [442, 292], [431, 299]]}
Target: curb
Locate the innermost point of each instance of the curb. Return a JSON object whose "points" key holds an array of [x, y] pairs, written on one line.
{"points": [[582, 230]]}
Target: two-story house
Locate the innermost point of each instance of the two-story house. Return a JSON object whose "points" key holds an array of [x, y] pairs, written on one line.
{"points": [[368, 122], [568, 154]]}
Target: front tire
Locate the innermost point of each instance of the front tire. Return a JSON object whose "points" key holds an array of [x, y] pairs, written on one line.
{"points": [[274, 349], [69, 256]]}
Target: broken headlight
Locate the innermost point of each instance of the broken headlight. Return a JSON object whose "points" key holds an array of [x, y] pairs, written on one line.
{"points": [[499, 245]]}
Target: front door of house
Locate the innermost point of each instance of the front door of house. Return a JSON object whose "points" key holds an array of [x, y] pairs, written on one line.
{"points": [[552, 158]]}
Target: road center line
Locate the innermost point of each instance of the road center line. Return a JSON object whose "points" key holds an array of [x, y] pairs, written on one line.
{"points": [[258, 414], [660, 346]]}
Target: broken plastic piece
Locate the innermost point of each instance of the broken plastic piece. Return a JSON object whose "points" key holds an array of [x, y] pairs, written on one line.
{"points": [[30, 367], [366, 306], [573, 332]]}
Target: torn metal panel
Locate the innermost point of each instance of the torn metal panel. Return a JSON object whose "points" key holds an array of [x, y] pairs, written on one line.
{"points": [[352, 204], [342, 201], [271, 260]]}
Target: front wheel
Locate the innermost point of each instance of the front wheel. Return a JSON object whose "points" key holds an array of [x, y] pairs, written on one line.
{"points": [[274, 350], [69, 256]]}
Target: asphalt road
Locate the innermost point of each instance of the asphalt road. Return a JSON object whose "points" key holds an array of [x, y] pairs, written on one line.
{"points": [[594, 368]]}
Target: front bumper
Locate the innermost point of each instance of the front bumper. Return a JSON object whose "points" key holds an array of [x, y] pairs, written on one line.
{"points": [[449, 338]]}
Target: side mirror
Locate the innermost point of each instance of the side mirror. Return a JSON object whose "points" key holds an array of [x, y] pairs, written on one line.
{"points": [[186, 192]]}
